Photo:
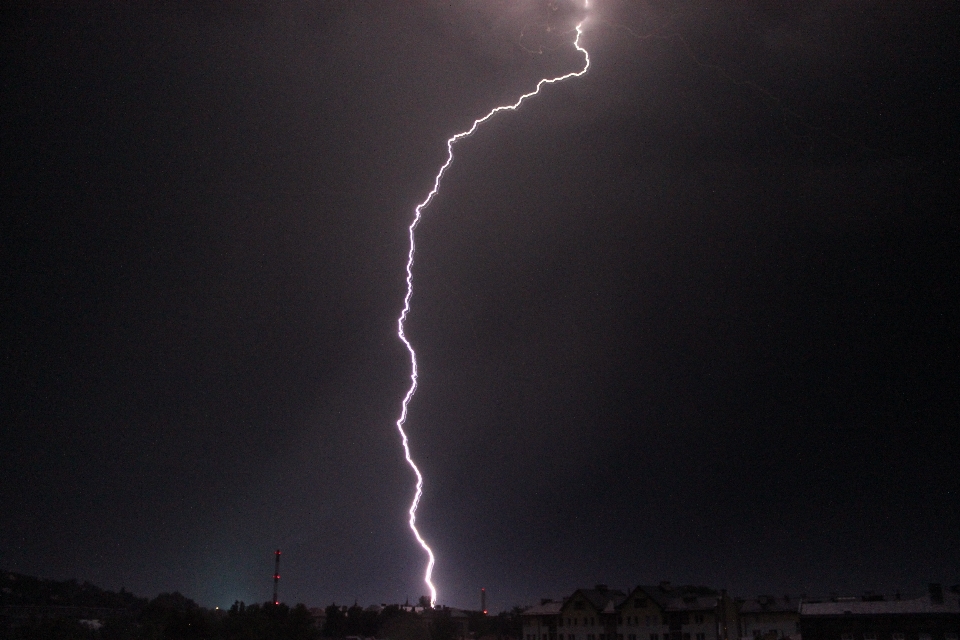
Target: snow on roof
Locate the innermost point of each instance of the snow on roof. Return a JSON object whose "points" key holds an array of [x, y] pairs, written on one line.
{"points": [[770, 604], [550, 608], [950, 604]]}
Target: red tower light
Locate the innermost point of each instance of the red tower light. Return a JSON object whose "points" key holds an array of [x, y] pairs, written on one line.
{"points": [[276, 576]]}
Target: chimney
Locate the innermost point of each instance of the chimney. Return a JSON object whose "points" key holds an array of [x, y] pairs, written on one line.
{"points": [[936, 593]]}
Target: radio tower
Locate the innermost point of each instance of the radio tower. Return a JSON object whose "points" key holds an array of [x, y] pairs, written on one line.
{"points": [[276, 576]]}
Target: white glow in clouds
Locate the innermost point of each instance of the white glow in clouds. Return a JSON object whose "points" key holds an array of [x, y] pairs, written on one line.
{"points": [[418, 212]]}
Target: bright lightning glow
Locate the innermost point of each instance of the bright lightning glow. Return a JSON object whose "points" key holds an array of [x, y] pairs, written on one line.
{"points": [[418, 212]]}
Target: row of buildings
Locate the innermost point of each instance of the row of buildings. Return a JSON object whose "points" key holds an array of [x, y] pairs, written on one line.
{"points": [[665, 612]]}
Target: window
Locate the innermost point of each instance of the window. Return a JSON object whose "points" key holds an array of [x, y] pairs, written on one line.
{"points": [[685, 619], [872, 635], [950, 635], [654, 636], [578, 604], [592, 623], [686, 636], [757, 633], [639, 603], [619, 636], [701, 636], [846, 636], [924, 636], [698, 618], [632, 636], [896, 635], [620, 620]]}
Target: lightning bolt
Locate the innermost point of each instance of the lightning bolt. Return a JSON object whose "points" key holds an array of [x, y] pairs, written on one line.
{"points": [[418, 214]]}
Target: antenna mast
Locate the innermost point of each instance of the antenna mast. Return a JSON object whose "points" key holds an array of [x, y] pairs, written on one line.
{"points": [[276, 576]]}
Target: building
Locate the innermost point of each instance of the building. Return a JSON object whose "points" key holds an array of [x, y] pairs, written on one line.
{"points": [[693, 613], [769, 617], [542, 621], [591, 614], [660, 612], [934, 616]]}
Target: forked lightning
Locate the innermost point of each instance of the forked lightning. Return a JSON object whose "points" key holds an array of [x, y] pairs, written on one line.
{"points": [[418, 212]]}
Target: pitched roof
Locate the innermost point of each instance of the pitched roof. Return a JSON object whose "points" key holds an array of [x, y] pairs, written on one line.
{"points": [[681, 598], [924, 604], [549, 608], [770, 604], [604, 600]]}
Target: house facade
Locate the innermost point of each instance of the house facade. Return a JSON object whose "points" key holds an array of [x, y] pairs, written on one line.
{"points": [[660, 612], [934, 616], [769, 617]]}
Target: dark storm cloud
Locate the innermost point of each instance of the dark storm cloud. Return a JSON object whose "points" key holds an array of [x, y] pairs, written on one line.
{"points": [[691, 317]]}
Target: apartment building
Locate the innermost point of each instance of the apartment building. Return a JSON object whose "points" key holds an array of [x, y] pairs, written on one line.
{"points": [[769, 617], [934, 616], [660, 612]]}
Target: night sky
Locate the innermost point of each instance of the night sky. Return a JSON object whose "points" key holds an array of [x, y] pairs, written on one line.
{"points": [[693, 317]]}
